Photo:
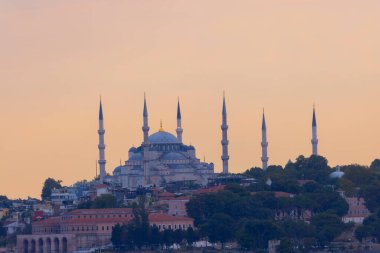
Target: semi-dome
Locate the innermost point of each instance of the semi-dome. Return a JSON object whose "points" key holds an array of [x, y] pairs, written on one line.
{"points": [[163, 137], [117, 170], [136, 157], [174, 156], [132, 149]]}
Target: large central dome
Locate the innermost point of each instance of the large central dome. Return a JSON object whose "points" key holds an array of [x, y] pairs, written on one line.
{"points": [[163, 137]]}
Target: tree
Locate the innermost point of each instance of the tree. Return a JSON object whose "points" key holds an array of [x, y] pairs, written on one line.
{"points": [[370, 228], [220, 228], [178, 236], [328, 226], [312, 168], [4, 201], [116, 237], [191, 236], [286, 246], [375, 165], [155, 237], [358, 174], [371, 194], [255, 234], [168, 237], [49, 185], [103, 201]]}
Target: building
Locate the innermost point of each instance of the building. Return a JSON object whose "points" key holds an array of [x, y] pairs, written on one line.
{"points": [[64, 197], [177, 206], [83, 229], [162, 158], [357, 211], [3, 212]]}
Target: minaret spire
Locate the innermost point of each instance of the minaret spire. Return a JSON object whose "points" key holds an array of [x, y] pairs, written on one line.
{"points": [[145, 145], [145, 127], [314, 140], [101, 146], [264, 144], [179, 129], [225, 156]]}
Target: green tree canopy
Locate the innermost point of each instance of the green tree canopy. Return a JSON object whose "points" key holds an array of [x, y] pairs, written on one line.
{"points": [[48, 186], [103, 201]]}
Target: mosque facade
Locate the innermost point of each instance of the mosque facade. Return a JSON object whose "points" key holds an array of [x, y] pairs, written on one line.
{"points": [[161, 158]]}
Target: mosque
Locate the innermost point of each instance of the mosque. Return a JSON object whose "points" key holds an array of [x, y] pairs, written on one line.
{"points": [[163, 157]]}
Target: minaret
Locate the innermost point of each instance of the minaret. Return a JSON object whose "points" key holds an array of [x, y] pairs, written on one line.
{"points": [[264, 144], [101, 146], [179, 129], [145, 127], [145, 145], [224, 142], [314, 140]]}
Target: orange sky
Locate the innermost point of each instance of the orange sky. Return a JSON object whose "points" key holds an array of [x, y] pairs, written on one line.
{"points": [[57, 57]]}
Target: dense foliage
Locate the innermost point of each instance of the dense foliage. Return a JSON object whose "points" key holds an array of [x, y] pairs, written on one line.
{"points": [[370, 228], [137, 234], [364, 182], [103, 201], [49, 185], [5, 202], [235, 213], [253, 215]]}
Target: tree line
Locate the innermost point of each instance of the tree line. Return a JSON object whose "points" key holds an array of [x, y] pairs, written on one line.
{"points": [[138, 234]]}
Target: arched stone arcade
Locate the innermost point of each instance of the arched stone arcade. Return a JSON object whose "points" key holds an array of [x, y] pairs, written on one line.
{"points": [[56, 243]]}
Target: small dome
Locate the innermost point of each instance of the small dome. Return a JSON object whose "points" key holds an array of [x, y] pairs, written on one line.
{"points": [[132, 149], [117, 170], [173, 156], [337, 174], [136, 157], [163, 137]]}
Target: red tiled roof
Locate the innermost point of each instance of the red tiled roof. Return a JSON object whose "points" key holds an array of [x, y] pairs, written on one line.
{"points": [[101, 186], [101, 211], [166, 194], [211, 189], [181, 198], [304, 181], [160, 217], [96, 221], [47, 222]]}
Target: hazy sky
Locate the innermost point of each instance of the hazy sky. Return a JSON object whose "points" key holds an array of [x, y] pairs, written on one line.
{"points": [[57, 57]]}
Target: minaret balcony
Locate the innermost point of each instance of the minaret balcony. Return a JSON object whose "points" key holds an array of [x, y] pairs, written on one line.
{"points": [[225, 157], [101, 132], [224, 142]]}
